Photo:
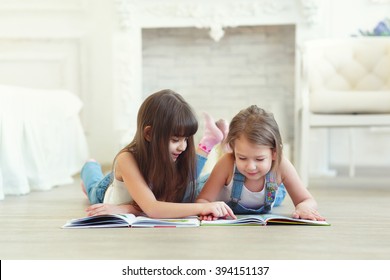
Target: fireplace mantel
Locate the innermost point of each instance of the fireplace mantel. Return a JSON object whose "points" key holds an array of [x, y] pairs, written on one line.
{"points": [[135, 15], [214, 15]]}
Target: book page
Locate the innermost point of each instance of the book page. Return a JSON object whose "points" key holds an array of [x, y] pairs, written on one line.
{"points": [[262, 219], [278, 219], [114, 220], [241, 220], [142, 221]]}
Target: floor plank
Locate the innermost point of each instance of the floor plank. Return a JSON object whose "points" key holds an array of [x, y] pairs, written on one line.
{"points": [[359, 217]]}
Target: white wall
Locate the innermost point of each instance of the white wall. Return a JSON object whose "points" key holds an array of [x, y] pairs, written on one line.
{"points": [[347, 16], [99, 106], [69, 43]]}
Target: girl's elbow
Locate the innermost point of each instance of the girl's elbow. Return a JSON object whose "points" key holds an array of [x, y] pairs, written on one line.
{"points": [[153, 213], [201, 200], [308, 201]]}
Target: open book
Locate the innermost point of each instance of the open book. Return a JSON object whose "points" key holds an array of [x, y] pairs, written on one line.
{"points": [[129, 220], [262, 220]]}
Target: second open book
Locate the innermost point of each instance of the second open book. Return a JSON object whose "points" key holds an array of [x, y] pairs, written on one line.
{"points": [[129, 220]]}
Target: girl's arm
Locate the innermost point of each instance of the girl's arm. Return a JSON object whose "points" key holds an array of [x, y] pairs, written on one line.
{"points": [[305, 204], [127, 171], [219, 177], [105, 208]]}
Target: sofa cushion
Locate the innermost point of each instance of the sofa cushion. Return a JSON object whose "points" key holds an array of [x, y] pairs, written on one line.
{"points": [[348, 102]]}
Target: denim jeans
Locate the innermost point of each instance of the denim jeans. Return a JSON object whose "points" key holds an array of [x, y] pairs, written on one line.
{"points": [[96, 183]]}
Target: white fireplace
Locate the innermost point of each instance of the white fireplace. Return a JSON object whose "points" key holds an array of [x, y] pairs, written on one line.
{"points": [[224, 54]]}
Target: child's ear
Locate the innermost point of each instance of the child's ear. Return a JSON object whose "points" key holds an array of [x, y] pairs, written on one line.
{"points": [[148, 133]]}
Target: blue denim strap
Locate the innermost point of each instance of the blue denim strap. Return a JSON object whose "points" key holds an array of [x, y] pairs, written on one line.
{"points": [[238, 182], [271, 187]]}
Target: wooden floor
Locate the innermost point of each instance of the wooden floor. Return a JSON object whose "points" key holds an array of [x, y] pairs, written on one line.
{"points": [[359, 214]]}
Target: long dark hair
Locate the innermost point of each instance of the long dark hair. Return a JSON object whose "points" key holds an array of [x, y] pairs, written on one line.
{"points": [[168, 114]]}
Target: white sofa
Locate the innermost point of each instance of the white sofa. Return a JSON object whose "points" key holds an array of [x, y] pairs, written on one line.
{"points": [[344, 83], [42, 142]]}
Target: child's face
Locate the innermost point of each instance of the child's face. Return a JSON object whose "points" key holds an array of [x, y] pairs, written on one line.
{"points": [[252, 160], [177, 145]]}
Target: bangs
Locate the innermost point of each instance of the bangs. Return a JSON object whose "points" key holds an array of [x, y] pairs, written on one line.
{"points": [[185, 124]]}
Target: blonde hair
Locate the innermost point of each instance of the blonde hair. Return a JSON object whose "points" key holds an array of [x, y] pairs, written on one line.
{"points": [[259, 127]]}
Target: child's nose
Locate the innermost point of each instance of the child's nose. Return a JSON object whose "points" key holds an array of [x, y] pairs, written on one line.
{"points": [[251, 165], [182, 146]]}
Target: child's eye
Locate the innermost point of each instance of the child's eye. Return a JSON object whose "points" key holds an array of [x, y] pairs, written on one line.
{"points": [[178, 139], [260, 159]]}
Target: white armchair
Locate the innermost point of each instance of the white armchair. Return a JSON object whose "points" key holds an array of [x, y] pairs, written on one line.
{"points": [[343, 83]]}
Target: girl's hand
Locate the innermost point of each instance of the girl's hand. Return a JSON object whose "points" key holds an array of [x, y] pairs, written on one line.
{"points": [[207, 218], [215, 210], [104, 208], [303, 211]]}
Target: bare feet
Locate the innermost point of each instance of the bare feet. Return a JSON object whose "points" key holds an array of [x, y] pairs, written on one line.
{"points": [[223, 125], [83, 188], [211, 128], [214, 133]]}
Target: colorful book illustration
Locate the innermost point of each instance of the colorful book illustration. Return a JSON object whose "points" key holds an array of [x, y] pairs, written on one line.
{"points": [[262, 220]]}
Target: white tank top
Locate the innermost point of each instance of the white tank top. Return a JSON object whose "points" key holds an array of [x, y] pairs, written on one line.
{"points": [[117, 193], [248, 199]]}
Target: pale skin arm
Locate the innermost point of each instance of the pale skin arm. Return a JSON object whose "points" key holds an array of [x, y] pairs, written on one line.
{"points": [[104, 208], [305, 205], [219, 177], [127, 171]]}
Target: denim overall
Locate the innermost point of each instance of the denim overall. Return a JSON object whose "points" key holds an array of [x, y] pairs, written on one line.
{"points": [[273, 193]]}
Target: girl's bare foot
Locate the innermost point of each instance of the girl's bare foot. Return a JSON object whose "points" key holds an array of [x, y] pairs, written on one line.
{"points": [[83, 188], [212, 129], [223, 125]]}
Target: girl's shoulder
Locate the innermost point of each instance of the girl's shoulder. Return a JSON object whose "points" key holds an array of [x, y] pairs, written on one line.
{"points": [[124, 155], [225, 163], [124, 159], [228, 156], [227, 159], [286, 168], [285, 163], [125, 163]]}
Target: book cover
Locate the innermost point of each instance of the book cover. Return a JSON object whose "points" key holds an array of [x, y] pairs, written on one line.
{"points": [[129, 220]]}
